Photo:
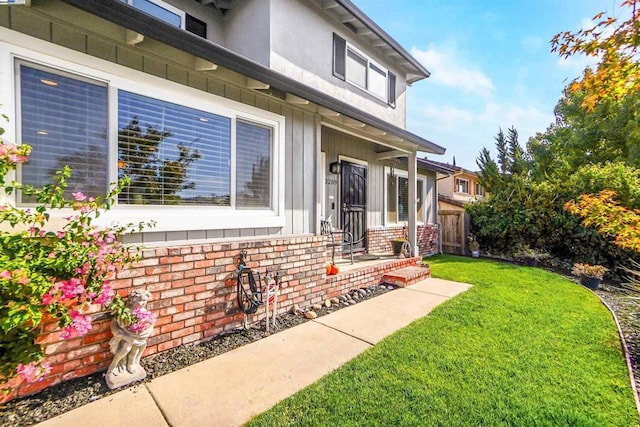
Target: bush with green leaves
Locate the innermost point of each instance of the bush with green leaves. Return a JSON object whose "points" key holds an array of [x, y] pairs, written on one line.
{"points": [[59, 271]]}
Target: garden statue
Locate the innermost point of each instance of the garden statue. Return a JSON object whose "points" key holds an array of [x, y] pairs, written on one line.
{"points": [[129, 341]]}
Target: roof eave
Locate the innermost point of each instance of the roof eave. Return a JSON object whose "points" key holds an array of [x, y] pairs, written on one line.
{"points": [[422, 72], [128, 17]]}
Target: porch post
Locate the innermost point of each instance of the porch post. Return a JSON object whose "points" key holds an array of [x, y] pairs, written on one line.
{"points": [[317, 140], [413, 203]]}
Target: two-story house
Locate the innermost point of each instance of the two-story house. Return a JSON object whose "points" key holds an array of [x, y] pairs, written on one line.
{"points": [[281, 113], [456, 185]]}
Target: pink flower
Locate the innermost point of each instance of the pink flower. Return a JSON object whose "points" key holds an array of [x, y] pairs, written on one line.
{"points": [[33, 371], [5, 274], [47, 299], [79, 196], [80, 325], [144, 319], [24, 280], [60, 234], [106, 295]]}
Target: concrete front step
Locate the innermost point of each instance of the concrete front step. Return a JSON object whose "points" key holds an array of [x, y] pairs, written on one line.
{"points": [[406, 276]]}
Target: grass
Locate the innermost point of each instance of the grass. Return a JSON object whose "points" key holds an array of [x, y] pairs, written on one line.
{"points": [[523, 347]]}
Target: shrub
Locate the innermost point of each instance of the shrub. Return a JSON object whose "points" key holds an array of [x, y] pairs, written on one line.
{"points": [[56, 271]]}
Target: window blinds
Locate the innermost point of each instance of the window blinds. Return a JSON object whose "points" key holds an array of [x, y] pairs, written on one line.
{"points": [[174, 155], [64, 118], [253, 165]]}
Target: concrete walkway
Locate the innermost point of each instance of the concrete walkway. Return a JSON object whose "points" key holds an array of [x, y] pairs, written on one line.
{"points": [[229, 389]]}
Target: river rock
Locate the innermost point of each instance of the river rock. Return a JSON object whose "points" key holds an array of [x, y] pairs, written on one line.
{"points": [[335, 301], [316, 307], [327, 303], [310, 314]]}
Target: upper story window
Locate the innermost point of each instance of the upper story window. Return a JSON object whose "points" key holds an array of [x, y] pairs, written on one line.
{"points": [[355, 67], [160, 10], [462, 186], [479, 189]]}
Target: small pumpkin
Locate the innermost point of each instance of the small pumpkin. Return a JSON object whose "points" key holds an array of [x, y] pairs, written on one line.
{"points": [[328, 269], [334, 269]]}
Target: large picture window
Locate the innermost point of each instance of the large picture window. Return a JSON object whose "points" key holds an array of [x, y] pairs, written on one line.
{"points": [[174, 155], [65, 119]]}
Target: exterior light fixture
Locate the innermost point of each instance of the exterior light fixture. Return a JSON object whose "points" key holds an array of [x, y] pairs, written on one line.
{"points": [[335, 168]]}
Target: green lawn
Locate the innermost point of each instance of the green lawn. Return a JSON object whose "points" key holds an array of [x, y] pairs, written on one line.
{"points": [[523, 347]]}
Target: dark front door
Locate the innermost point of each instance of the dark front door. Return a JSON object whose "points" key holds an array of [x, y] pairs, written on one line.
{"points": [[354, 203]]}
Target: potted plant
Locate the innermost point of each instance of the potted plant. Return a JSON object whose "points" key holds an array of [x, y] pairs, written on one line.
{"points": [[474, 246], [396, 244], [590, 275]]}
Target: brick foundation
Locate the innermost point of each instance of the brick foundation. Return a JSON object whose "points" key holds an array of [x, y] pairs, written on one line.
{"points": [[379, 239], [194, 295]]}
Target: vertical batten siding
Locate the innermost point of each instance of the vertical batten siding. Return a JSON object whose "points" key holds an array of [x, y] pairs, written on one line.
{"points": [[336, 144], [64, 25]]}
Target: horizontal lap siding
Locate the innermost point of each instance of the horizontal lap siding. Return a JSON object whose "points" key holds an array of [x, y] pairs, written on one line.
{"points": [[152, 57]]}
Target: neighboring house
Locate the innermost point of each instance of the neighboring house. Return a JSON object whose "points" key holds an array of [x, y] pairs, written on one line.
{"points": [[278, 113], [456, 185]]}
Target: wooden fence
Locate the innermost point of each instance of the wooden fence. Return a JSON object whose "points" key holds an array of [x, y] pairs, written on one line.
{"points": [[455, 226]]}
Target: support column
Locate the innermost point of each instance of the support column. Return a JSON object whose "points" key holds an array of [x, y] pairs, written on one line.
{"points": [[412, 161], [317, 122]]}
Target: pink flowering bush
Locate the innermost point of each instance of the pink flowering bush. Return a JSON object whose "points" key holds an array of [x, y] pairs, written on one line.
{"points": [[61, 272]]}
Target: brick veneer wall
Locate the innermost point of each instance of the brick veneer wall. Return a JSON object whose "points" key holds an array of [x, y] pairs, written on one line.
{"points": [[194, 295], [379, 239]]}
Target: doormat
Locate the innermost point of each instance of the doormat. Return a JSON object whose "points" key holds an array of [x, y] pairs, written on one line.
{"points": [[366, 257]]}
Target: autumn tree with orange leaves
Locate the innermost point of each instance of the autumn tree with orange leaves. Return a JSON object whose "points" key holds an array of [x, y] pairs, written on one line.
{"points": [[615, 43]]}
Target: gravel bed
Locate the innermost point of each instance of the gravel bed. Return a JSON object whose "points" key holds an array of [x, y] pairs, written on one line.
{"points": [[627, 310], [74, 393]]}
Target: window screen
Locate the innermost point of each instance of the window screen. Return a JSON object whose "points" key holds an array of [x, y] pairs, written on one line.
{"points": [[356, 69], [420, 197], [403, 199], [174, 155], [392, 199], [378, 81], [64, 118], [253, 165]]}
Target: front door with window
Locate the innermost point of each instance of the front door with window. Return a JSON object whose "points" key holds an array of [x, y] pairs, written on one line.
{"points": [[354, 202]]}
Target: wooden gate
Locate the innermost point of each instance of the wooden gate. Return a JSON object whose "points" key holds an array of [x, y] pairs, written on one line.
{"points": [[455, 227]]}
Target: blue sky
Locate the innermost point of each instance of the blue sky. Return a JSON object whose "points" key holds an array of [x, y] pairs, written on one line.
{"points": [[490, 64]]}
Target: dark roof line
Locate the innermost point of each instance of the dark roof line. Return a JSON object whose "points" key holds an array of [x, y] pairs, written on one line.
{"points": [[368, 22], [442, 168], [122, 14]]}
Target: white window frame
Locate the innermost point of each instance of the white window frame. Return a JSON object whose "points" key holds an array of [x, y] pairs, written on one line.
{"points": [[168, 7], [423, 196], [168, 218], [456, 186], [370, 62]]}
